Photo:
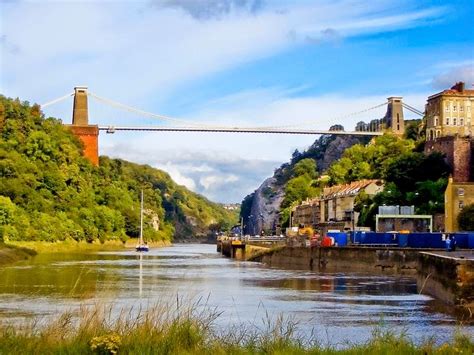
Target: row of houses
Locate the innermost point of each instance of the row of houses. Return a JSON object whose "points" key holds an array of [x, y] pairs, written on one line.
{"points": [[334, 208]]}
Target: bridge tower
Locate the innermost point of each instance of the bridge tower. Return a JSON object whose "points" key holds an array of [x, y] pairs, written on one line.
{"points": [[88, 134], [394, 121]]}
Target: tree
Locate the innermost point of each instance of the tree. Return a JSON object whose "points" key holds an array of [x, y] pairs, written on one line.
{"points": [[466, 218], [307, 167]]}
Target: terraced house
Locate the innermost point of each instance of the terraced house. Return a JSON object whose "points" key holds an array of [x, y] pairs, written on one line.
{"points": [[335, 207]]}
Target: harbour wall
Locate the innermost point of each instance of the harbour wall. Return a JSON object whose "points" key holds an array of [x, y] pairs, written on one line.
{"points": [[448, 277], [355, 259]]}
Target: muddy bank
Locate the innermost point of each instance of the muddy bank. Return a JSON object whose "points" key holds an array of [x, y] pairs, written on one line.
{"points": [[11, 254]]}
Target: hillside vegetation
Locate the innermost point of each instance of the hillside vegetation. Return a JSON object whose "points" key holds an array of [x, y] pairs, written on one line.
{"points": [[49, 192]]}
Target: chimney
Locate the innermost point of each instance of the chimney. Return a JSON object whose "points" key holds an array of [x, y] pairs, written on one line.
{"points": [[459, 86]]}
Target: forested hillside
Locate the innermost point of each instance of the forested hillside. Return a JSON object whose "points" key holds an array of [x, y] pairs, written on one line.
{"points": [[49, 192]]}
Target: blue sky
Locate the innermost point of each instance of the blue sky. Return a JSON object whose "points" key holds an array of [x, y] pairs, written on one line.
{"points": [[231, 62]]}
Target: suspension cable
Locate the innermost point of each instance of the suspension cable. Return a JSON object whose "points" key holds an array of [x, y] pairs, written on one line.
{"points": [[190, 123], [55, 101], [413, 109], [304, 123], [142, 112]]}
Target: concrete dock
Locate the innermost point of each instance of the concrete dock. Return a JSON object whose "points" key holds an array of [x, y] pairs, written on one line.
{"points": [[448, 276]]}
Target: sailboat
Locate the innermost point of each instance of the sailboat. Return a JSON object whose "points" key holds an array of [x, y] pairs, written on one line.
{"points": [[141, 246]]}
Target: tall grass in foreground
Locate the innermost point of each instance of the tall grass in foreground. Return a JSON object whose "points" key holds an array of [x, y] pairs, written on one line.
{"points": [[191, 330]]}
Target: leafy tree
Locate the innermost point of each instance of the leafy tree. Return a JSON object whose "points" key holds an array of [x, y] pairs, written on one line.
{"points": [[307, 167], [370, 161], [466, 218]]}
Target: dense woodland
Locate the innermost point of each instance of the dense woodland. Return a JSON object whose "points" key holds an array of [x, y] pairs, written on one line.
{"points": [[49, 192], [411, 177]]}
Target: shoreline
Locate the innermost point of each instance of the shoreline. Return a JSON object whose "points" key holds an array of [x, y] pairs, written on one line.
{"points": [[10, 254], [14, 251]]}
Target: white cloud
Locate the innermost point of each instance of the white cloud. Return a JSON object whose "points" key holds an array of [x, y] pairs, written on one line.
{"points": [[447, 78], [177, 176], [140, 55], [209, 181]]}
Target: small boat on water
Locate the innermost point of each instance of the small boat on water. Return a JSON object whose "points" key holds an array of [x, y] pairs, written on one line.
{"points": [[142, 245]]}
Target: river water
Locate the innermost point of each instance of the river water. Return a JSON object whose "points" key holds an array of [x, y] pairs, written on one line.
{"points": [[333, 307]]}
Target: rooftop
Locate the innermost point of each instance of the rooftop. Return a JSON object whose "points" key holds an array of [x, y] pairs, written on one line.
{"points": [[459, 89], [348, 189]]}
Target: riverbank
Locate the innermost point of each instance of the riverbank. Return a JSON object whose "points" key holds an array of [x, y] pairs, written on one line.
{"points": [[72, 246], [15, 251], [11, 254], [189, 331]]}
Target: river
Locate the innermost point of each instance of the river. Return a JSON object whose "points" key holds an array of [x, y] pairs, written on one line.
{"points": [[333, 307]]}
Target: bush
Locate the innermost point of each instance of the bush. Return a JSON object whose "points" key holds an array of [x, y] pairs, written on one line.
{"points": [[466, 218]]}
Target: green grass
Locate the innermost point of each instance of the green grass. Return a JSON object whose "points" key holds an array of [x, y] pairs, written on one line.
{"points": [[166, 329]]}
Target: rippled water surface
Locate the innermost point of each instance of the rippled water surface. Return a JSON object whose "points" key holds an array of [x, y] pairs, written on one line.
{"points": [[335, 307]]}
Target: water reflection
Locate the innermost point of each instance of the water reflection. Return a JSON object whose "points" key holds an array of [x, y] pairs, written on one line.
{"points": [[338, 306]]}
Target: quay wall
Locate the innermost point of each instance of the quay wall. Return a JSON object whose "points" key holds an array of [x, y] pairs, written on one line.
{"points": [[356, 259], [447, 277]]}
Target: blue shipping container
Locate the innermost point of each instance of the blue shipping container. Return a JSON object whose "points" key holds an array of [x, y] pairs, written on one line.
{"points": [[340, 238]]}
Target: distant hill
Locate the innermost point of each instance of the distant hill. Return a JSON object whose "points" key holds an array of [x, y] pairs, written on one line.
{"points": [[49, 192]]}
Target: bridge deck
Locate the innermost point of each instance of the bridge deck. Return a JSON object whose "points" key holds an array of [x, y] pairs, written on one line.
{"points": [[113, 129]]}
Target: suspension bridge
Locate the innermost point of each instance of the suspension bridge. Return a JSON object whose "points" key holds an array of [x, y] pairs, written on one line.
{"points": [[393, 121]]}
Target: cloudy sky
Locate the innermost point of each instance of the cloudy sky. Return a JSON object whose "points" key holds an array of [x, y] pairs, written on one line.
{"points": [[231, 62]]}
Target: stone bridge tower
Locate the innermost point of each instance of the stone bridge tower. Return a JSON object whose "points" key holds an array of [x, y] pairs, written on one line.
{"points": [[393, 120], [88, 134]]}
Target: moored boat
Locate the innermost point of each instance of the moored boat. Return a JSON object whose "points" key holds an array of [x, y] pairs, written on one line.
{"points": [[142, 245]]}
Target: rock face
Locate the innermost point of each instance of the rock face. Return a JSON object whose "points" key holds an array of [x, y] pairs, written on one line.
{"points": [[334, 150], [265, 206]]}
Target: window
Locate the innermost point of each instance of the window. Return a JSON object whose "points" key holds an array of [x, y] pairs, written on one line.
{"points": [[461, 121], [436, 121], [454, 121], [461, 205], [438, 133], [447, 107], [447, 121], [454, 108], [461, 108]]}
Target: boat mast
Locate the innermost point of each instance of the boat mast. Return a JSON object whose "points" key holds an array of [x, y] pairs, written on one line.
{"points": [[141, 219]]}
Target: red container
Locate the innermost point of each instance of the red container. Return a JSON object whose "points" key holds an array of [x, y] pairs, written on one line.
{"points": [[327, 242]]}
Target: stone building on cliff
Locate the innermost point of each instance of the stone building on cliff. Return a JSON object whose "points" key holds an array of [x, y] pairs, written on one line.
{"points": [[449, 130]]}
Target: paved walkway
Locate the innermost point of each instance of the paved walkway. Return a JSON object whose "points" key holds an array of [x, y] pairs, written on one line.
{"points": [[458, 254]]}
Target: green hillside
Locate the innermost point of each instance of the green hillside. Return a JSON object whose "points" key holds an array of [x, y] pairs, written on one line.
{"points": [[49, 192]]}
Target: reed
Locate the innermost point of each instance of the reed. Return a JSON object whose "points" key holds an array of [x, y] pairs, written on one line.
{"points": [[190, 329]]}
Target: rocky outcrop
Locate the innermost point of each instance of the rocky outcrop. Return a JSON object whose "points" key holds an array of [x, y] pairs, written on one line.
{"points": [[334, 150], [265, 207]]}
